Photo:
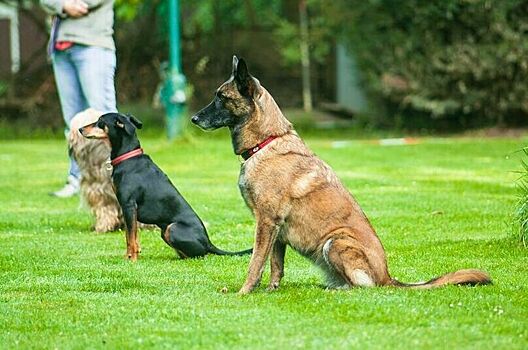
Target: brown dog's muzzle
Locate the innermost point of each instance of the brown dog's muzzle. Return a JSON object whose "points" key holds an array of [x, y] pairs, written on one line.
{"points": [[91, 131]]}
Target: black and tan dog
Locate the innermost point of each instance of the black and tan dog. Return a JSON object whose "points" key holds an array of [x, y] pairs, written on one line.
{"points": [[296, 198], [146, 194]]}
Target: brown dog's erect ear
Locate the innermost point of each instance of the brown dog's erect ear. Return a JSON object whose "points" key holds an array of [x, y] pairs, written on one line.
{"points": [[235, 64], [247, 85], [241, 72]]}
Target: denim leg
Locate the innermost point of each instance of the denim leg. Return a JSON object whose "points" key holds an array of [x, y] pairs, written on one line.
{"points": [[96, 68], [85, 78], [70, 94]]}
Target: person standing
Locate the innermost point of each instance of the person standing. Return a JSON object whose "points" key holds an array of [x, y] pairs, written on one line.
{"points": [[82, 52]]}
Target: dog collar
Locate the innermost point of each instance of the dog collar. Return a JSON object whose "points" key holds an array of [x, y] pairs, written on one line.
{"points": [[249, 152], [125, 156]]}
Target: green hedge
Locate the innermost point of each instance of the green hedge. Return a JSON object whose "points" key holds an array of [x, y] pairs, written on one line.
{"points": [[520, 222], [460, 61]]}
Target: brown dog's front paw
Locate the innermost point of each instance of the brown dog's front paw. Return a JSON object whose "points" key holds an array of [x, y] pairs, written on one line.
{"points": [[244, 290], [273, 286], [131, 256]]}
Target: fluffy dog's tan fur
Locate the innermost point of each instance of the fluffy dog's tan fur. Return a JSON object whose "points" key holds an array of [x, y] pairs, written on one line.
{"points": [[96, 183]]}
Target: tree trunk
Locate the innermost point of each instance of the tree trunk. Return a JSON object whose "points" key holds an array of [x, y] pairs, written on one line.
{"points": [[305, 57]]}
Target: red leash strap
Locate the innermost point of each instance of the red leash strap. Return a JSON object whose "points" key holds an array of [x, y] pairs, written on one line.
{"points": [[128, 155], [63, 45], [249, 152]]}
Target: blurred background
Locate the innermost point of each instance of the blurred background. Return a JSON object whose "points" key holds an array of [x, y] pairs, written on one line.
{"points": [[415, 66]]}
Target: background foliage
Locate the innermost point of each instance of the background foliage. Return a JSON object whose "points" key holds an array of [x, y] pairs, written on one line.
{"points": [[521, 213], [437, 64], [458, 61]]}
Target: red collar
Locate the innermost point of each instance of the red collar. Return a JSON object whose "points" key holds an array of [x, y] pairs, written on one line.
{"points": [[128, 155], [249, 152]]}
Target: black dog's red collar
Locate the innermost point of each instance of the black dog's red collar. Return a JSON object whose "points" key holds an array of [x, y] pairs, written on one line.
{"points": [[128, 155], [249, 152]]}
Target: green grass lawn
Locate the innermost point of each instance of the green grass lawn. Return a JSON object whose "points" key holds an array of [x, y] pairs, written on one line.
{"points": [[438, 206]]}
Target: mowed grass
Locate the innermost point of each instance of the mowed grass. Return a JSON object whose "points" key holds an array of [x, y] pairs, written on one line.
{"points": [[438, 206]]}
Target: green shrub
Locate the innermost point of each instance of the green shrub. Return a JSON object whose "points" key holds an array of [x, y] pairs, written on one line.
{"points": [[521, 212], [464, 61], [3, 87]]}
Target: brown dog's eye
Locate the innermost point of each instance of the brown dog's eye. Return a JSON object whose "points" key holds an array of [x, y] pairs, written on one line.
{"points": [[100, 125], [221, 96]]}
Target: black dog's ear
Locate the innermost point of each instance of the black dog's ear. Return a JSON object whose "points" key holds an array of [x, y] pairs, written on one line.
{"points": [[123, 122], [120, 123], [135, 121], [247, 85]]}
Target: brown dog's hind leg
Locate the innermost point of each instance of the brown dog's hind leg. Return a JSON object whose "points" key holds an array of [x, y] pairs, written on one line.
{"points": [[349, 262], [277, 264]]}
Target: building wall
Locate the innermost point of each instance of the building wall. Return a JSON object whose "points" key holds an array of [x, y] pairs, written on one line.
{"points": [[9, 52], [33, 39], [23, 38], [349, 93]]}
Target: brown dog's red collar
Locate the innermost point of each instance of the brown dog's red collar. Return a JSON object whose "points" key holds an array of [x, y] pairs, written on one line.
{"points": [[249, 152], [128, 155]]}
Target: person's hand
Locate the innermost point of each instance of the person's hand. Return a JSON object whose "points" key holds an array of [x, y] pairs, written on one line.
{"points": [[75, 8]]}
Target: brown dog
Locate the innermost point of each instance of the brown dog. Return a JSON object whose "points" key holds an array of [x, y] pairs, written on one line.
{"points": [[296, 198]]}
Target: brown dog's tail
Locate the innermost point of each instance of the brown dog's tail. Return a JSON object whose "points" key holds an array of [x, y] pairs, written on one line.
{"points": [[470, 277]]}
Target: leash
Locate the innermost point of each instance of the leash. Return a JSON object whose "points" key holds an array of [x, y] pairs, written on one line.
{"points": [[249, 152], [125, 156]]}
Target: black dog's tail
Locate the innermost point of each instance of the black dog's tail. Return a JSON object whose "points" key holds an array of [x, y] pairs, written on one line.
{"points": [[218, 251]]}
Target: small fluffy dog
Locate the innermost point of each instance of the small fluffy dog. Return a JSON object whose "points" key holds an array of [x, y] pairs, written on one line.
{"points": [[96, 182]]}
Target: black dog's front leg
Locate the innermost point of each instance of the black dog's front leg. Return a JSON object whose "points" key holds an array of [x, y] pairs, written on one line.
{"points": [[132, 239]]}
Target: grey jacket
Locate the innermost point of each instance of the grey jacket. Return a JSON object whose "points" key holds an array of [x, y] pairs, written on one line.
{"points": [[94, 29]]}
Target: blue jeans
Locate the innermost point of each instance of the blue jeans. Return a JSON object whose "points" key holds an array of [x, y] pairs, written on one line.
{"points": [[85, 78]]}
